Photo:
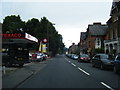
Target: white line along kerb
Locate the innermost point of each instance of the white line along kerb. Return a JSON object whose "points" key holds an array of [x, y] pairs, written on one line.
{"points": [[107, 86], [83, 71]]}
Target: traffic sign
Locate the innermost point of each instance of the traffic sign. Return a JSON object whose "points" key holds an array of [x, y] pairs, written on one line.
{"points": [[45, 40]]}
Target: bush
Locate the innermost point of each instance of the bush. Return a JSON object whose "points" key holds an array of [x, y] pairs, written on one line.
{"points": [[99, 50]]}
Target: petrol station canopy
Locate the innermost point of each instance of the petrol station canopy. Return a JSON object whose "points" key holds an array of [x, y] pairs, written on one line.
{"points": [[18, 38]]}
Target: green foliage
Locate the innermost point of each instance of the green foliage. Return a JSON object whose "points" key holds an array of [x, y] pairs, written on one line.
{"points": [[12, 24], [99, 50], [39, 29]]}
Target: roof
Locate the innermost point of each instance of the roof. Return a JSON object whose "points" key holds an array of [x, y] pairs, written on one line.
{"points": [[97, 29], [115, 5]]}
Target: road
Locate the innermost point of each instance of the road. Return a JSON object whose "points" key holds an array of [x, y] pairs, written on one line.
{"points": [[63, 72]]}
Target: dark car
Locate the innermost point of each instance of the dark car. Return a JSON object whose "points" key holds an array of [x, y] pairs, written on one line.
{"points": [[103, 61], [117, 64], [83, 58]]}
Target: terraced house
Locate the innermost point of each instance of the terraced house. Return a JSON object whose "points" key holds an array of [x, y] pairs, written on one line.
{"points": [[96, 34], [92, 41], [112, 45]]}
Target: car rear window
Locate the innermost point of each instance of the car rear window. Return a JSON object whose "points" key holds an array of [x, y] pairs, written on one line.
{"points": [[104, 56], [84, 55]]}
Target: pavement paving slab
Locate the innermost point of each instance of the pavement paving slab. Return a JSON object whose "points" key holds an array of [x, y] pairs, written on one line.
{"points": [[15, 76]]}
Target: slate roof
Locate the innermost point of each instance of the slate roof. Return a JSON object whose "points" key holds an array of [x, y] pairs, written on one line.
{"points": [[97, 29], [115, 5]]}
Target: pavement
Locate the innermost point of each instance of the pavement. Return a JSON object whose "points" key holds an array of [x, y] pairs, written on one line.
{"points": [[14, 76]]}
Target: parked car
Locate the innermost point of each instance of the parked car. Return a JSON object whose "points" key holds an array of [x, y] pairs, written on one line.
{"points": [[103, 61], [44, 56], [71, 56], [116, 67], [39, 57], [33, 57], [75, 57], [68, 55], [83, 58], [30, 56]]}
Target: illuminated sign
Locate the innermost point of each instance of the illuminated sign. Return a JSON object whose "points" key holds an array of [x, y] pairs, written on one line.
{"points": [[44, 48], [18, 36], [11, 35], [29, 37], [45, 40]]}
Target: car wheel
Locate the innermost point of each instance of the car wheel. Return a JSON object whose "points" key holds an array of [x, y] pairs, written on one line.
{"points": [[115, 70], [21, 64]]}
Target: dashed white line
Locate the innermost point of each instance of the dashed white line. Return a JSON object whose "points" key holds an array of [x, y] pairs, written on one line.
{"points": [[66, 59], [83, 71], [78, 67], [107, 86], [69, 61], [73, 64], [89, 74]]}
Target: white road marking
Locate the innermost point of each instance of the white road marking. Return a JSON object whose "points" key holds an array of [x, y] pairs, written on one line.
{"points": [[78, 67], [83, 71], [73, 64], [69, 61], [66, 59], [107, 86]]}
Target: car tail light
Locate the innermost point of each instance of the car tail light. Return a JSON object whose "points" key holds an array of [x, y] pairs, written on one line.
{"points": [[81, 58]]}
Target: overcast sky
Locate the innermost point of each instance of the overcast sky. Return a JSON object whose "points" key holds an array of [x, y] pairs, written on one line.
{"points": [[70, 16]]}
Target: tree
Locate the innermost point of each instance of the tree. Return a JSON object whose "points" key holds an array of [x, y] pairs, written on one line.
{"points": [[45, 29], [39, 29], [32, 26], [12, 24], [99, 50]]}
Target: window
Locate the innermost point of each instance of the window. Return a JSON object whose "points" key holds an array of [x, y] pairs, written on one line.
{"points": [[104, 56], [97, 57]]}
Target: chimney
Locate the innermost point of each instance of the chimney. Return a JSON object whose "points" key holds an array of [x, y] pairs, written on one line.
{"points": [[97, 23]]}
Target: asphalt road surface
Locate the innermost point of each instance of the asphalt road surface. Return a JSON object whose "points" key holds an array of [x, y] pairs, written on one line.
{"points": [[63, 72]]}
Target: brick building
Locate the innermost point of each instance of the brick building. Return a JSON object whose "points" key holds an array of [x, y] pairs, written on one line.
{"points": [[73, 49], [83, 45], [96, 34]]}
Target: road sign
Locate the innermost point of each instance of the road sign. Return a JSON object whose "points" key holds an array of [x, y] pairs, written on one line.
{"points": [[45, 40]]}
